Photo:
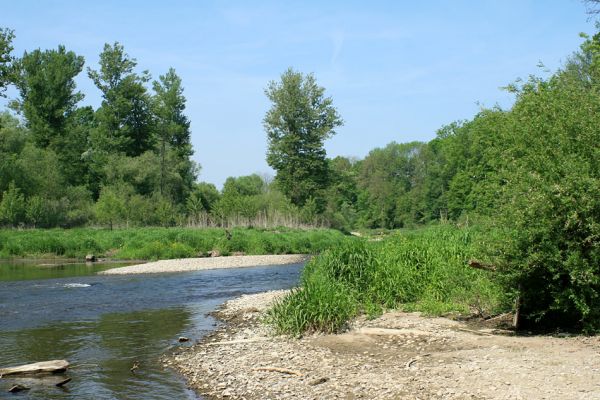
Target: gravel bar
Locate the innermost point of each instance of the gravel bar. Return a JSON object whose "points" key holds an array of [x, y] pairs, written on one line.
{"points": [[196, 264]]}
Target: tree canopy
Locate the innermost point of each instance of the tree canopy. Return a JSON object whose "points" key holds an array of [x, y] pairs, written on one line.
{"points": [[299, 121]]}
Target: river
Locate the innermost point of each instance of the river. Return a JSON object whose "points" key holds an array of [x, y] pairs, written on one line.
{"points": [[104, 324]]}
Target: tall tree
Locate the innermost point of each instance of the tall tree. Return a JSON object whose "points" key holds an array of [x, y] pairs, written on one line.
{"points": [[125, 118], [46, 83], [172, 127], [6, 59], [301, 118]]}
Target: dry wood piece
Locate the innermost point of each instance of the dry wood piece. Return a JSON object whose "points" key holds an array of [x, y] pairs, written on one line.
{"points": [[35, 368], [480, 332], [318, 381], [136, 365], [281, 370], [481, 265]]}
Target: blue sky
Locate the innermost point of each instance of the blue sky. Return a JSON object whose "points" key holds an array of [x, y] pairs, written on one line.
{"points": [[397, 70]]}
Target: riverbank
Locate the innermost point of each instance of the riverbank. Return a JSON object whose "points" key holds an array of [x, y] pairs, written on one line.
{"points": [[396, 356], [197, 264]]}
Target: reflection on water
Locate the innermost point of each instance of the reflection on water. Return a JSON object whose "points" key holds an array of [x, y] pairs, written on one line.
{"points": [[105, 324], [20, 270]]}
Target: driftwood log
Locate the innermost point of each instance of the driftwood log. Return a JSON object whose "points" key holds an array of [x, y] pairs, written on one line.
{"points": [[36, 368]]}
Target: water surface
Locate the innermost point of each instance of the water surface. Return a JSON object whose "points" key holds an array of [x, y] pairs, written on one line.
{"points": [[103, 324]]}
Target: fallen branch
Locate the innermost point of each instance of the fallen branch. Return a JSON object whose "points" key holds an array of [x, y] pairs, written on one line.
{"points": [[63, 382], [36, 368], [281, 370], [414, 360], [498, 317], [481, 265]]}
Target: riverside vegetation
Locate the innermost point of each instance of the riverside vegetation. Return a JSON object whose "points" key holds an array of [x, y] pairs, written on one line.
{"points": [[163, 243], [422, 270], [527, 177]]}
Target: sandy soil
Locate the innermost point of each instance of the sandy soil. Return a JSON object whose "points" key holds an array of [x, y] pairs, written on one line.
{"points": [[397, 356], [195, 264]]}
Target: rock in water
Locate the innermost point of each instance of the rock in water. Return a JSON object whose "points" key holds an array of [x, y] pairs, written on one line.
{"points": [[35, 368], [90, 258]]}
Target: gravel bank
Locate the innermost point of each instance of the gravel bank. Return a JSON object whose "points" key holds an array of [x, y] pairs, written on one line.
{"points": [[195, 264], [396, 356]]}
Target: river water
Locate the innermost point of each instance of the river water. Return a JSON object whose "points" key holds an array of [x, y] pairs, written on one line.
{"points": [[103, 324]]}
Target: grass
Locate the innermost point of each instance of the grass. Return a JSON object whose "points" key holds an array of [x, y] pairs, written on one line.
{"points": [[423, 270], [162, 243]]}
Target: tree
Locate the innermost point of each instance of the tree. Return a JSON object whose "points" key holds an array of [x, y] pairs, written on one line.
{"points": [[172, 129], [125, 118], [301, 118], [46, 83], [12, 206], [6, 59], [111, 206]]}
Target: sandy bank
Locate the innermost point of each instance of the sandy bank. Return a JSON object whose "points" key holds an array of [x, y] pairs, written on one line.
{"points": [[195, 264], [396, 356]]}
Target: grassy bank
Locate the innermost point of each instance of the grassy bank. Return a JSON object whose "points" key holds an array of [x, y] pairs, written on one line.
{"points": [[422, 270], [162, 243]]}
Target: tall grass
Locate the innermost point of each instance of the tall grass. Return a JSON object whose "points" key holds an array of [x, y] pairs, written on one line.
{"points": [[423, 270], [163, 243]]}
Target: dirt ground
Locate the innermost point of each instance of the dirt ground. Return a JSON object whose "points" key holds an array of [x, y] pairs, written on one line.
{"points": [[397, 356]]}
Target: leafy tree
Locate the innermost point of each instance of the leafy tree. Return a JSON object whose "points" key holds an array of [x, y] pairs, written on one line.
{"points": [[35, 210], [386, 177], [6, 59], [250, 185], [173, 130], [207, 194], [13, 137], [46, 83], [125, 119], [12, 206], [301, 118], [110, 207], [342, 195]]}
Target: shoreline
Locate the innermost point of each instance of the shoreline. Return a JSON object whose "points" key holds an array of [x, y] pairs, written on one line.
{"points": [[205, 263], [395, 356]]}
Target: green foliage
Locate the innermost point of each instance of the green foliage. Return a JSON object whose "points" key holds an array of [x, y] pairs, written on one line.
{"points": [[161, 243], [46, 83], [12, 206], [423, 270], [6, 59], [173, 132], [300, 120], [110, 207], [550, 255], [125, 118]]}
